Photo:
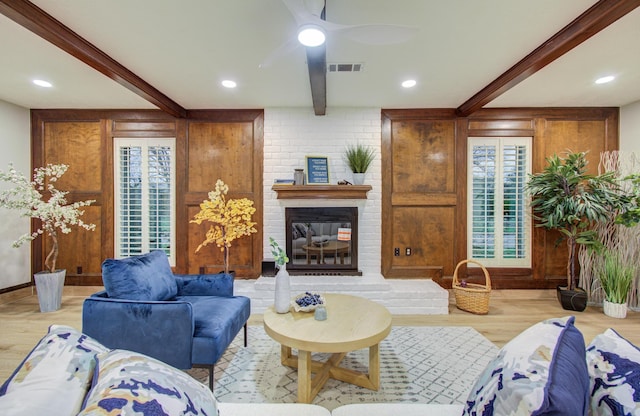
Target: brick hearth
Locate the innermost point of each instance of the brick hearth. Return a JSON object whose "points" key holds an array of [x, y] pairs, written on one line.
{"points": [[400, 296]]}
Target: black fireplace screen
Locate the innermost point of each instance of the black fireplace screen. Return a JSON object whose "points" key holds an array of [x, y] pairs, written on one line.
{"points": [[322, 240]]}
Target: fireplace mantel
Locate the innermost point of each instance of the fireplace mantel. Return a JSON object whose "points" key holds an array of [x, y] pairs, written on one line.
{"points": [[322, 191]]}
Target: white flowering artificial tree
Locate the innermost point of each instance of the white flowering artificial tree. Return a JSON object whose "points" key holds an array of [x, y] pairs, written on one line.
{"points": [[39, 199]]}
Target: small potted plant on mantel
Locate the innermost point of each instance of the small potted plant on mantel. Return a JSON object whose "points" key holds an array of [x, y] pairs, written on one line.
{"points": [[359, 157], [230, 219], [39, 199], [567, 199]]}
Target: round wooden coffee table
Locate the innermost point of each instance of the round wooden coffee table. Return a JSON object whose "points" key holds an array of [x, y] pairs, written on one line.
{"points": [[352, 323]]}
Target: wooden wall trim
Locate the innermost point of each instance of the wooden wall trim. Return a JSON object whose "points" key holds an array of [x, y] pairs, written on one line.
{"points": [[552, 113], [108, 214], [461, 186], [225, 115], [418, 114], [387, 202]]}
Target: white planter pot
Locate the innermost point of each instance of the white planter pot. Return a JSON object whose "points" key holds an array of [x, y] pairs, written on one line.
{"points": [[282, 301], [49, 288], [615, 310], [358, 178]]}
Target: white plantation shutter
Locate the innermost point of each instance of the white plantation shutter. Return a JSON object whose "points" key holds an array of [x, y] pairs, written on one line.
{"points": [[145, 194], [129, 201], [498, 224]]}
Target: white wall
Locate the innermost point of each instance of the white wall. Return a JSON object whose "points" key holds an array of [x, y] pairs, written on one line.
{"points": [[292, 133], [15, 136], [630, 128]]}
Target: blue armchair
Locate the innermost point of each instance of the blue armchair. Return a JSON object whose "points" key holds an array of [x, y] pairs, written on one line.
{"points": [[183, 320]]}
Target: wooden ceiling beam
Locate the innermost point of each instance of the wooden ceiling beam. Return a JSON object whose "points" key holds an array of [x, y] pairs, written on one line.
{"points": [[317, 65], [592, 21], [44, 25]]}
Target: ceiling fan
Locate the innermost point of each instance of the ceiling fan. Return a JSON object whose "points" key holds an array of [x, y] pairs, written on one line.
{"points": [[309, 14]]}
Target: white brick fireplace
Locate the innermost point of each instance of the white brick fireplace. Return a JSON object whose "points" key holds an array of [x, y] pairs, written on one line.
{"points": [[289, 135]]}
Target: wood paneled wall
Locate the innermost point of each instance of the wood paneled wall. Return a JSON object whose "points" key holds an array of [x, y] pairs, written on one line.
{"points": [[423, 185], [424, 156], [209, 145]]}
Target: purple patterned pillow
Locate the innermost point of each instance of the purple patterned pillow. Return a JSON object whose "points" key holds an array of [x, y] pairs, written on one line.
{"points": [[128, 383]]}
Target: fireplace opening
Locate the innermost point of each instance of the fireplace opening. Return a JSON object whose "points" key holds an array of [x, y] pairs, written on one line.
{"points": [[322, 241]]}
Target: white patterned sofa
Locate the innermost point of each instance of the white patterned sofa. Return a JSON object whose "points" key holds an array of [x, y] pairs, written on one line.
{"points": [[546, 370]]}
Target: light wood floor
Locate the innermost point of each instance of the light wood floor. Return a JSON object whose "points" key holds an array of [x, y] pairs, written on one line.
{"points": [[22, 325]]}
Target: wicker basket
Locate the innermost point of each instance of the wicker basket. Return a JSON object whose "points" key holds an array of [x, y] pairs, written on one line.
{"points": [[472, 298]]}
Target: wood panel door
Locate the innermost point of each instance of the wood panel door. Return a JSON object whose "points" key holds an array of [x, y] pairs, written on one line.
{"points": [[419, 208], [557, 136], [230, 151], [79, 145]]}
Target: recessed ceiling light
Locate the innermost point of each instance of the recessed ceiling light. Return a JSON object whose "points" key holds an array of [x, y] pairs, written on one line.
{"points": [[604, 80], [409, 83], [227, 83], [311, 35], [42, 83]]}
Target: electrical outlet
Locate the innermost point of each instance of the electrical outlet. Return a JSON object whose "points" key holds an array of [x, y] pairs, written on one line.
{"points": [[396, 251], [407, 251], [79, 270]]}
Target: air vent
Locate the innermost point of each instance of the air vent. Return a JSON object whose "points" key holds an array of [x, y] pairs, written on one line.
{"points": [[344, 67]]}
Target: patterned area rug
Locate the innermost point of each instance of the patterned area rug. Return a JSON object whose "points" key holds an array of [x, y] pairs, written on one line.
{"points": [[417, 364]]}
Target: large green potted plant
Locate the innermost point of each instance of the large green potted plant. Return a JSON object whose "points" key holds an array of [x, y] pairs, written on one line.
{"points": [[566, 198], [359, 157], [630, 217], [616, 277], [39, 199]]}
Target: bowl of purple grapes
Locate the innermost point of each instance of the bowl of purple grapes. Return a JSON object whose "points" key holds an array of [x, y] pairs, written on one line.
{"points": [[307, 302]]}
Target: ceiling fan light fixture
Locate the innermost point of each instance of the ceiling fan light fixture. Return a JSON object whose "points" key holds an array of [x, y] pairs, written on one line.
{"points": [[606, 79], [410, 83], [227, 83], [42, 83], [311, 35]]}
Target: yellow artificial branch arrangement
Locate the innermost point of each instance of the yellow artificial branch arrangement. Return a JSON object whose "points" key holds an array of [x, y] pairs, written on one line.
{"points": [[230, 219]]}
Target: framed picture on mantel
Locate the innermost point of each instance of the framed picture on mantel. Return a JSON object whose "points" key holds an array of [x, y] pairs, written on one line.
{"points": [[317, 170]]}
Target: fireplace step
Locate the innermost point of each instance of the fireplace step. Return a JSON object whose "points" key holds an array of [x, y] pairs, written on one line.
{"points": [[400, 296]]}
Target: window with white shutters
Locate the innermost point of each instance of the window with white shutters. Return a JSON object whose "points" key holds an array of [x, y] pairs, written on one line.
{"points": [[498, 223], [144, 196]]}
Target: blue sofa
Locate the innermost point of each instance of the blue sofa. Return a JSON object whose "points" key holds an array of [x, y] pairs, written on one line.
{"points": [[183, 320]]}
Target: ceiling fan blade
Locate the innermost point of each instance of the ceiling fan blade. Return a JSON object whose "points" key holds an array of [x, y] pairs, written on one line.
{"points": [[309, 12], [280, 52], [303, 10], [378, 34]]}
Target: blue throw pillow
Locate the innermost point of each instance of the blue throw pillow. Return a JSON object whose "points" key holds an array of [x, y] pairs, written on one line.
{"points": [[144, 277], [542, 371], [614, 371]]}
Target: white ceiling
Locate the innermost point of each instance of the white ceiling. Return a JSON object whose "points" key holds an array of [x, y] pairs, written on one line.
{"points": [[185, 48]]}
